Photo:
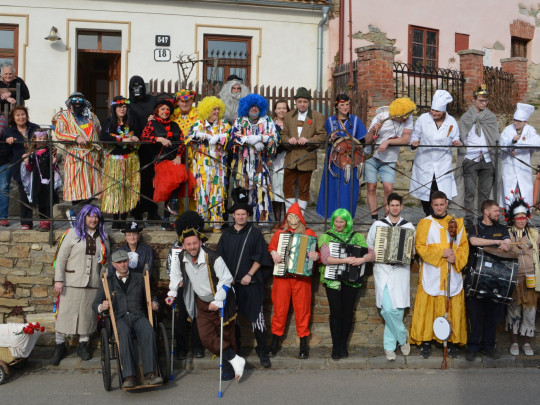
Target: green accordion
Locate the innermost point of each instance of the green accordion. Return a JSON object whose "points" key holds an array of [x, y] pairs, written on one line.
{"points": [[294, 249]]}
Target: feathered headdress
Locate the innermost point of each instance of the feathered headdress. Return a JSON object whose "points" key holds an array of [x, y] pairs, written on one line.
{"points": [[516, 205]]}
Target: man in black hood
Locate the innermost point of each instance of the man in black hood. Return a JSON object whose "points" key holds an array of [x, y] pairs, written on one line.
{"points": [[142, 106]]}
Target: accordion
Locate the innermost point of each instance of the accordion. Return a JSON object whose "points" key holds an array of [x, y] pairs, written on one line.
{"points": [[345, 272], [393, 245], [293, 249]]}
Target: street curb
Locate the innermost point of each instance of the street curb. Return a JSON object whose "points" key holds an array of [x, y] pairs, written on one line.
{"points": [[281, 362]]}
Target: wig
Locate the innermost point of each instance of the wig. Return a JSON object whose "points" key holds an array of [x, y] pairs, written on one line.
{"points": [[80, 221], [189, 220], [252, 100], [231, 99], [344, 215], [401, 106], [206, 106], [111, 124]]}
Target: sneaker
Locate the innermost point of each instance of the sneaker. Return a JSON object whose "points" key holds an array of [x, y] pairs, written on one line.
{"points": [[527, 349], [172, 206], [471, 355], [4, 222], [514, 349], [406, 347], [198, 353], [491, 353], [70, 214], [425, 350], [129, 382], [390, 355], [453, 352], [152, 379]]}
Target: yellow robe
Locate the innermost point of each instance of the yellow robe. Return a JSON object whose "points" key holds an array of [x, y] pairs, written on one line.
{"points": [[428, 307], [185, 125]]}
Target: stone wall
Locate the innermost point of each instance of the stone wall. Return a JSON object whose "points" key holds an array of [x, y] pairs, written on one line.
{"points": [[25, 262]]}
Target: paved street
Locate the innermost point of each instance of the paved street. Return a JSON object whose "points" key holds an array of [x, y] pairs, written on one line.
{"points": [[496, 386]]}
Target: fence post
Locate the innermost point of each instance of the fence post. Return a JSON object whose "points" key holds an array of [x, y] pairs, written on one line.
{"points": [[471, 63], [518, 68], [375, 74]]}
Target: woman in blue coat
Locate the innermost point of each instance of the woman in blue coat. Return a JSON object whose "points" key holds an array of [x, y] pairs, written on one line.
{"points": [[339, 181]]}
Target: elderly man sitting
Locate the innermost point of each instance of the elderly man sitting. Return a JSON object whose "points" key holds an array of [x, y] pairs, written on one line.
{"points": [[128, 294]]}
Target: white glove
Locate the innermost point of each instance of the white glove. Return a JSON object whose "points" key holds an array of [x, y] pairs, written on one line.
{"points": [[253, 139], [259, 146], [214, 139], [266, 138]]}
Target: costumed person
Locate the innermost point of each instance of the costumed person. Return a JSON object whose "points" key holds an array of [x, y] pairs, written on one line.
{"points": [[82, 252], [341, 294], [392, 285], [8, 86], [82, 178], [245, 253], [208, 139], [303, 131], [432, 168], [288, 287], [479, 131], [253, 144], [205, 277], [19, 131], [231, 93], [140, 254], [484, 314], [391, 128], [128, 293], [185, 115], [121, 177], [521, 312], [189, 219], [281, 108], [5, 173], [517, 174], [36, 176], [171, 173], [141, 107], [339, 190], [433, 246]]}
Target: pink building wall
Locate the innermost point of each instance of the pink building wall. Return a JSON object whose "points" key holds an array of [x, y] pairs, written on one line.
{"points": [[485, 21]]}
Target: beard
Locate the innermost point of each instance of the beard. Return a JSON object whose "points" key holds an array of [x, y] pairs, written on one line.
{"points": [[78, 109]]}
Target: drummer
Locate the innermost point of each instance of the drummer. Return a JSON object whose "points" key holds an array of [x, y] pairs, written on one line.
{"points": [[484, 314], [520, 318]]}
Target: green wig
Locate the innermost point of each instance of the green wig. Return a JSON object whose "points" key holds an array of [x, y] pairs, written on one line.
{"points": [[344, 215]]}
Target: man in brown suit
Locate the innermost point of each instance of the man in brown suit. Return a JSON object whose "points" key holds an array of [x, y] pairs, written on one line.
{"points": [[303, 129]]}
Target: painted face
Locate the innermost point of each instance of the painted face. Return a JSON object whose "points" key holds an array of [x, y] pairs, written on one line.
{"points": [[254, 111], [164, 112], [185, 105], [302, 104], [91, 222], [520, 221], [77, 105], [214, 115], [192, 245], [339, 224], [236, 88], [293, 220], [343, 107], [439, 206], [280, 110]]}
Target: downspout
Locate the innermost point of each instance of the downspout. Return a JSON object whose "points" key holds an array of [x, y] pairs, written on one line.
{"points": [[325, 10]]}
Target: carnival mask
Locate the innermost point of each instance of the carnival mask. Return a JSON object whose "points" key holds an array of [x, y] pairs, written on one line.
{"points": [[77, 104], [293, 220], [137, 90]]}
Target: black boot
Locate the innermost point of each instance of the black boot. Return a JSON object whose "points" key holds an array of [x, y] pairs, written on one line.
{"points": [[335, 332], [260, 336], [83, 351], [343, 352], [59, 353], [274, 347], [304, 349]]}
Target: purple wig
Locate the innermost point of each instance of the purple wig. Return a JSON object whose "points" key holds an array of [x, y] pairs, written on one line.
{"points": [[80, 222]]}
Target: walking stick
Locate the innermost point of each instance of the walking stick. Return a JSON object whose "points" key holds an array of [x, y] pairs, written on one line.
{"points": [[452, 230], [173, 306], [222, 313]]}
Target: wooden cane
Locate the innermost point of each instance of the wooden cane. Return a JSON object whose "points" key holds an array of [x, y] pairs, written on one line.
{"points": [[148, 294], [452, 231], [111, 311]]}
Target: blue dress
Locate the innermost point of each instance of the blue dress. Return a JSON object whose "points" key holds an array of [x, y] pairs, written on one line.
{"points": [[339, 193]]}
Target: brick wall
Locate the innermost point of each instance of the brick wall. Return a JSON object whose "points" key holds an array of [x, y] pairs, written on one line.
{"points": [[518, 67], [472, 64], [522, 29]]}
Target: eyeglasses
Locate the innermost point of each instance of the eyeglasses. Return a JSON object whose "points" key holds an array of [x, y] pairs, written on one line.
{"points": [[77, 100]]}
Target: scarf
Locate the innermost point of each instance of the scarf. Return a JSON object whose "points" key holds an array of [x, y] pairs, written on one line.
{"points": [[485, 120]]}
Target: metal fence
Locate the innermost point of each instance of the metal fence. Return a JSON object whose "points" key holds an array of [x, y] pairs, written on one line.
{"points": [[322, 102], [6, 107], [501, 86], [419, 83]]}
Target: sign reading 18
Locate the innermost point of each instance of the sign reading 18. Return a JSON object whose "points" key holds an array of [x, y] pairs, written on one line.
{"points": [[162, 55]]}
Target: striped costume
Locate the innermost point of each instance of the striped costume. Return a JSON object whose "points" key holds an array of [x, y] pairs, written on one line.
{"points": [[81, 173]]}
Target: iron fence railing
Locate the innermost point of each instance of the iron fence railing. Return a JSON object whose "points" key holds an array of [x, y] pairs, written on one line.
{"points": [[500, 85], [419, 83], [6, 107]]}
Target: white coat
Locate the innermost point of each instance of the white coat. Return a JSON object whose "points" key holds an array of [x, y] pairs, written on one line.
{"points": [[397, 277], [430, 162], [513, 171]]}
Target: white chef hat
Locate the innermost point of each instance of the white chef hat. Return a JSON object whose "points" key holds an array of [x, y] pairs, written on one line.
{"points": [[523, 112], [440, 99]]}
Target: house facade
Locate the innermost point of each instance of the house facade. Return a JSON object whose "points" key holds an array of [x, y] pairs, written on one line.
{"points": [[103, 43]]}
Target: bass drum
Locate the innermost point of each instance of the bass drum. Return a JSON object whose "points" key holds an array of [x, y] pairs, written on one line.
{"points": [[493, 277], [442, 328]]}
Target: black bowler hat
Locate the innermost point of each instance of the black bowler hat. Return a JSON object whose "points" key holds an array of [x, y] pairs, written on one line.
{"points": [[132, 227]]}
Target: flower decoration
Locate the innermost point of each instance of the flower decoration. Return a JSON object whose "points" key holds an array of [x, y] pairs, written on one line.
{"points": [[31, 328], [310, 122]]}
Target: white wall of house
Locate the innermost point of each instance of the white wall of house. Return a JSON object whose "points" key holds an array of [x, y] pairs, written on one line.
{"points": [[284, 41]]}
